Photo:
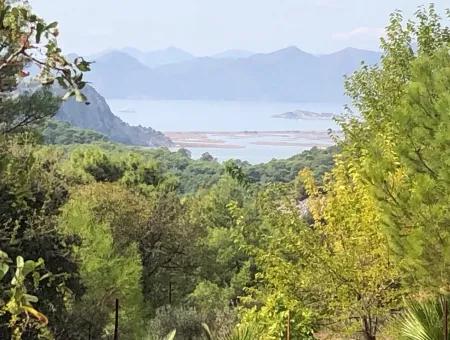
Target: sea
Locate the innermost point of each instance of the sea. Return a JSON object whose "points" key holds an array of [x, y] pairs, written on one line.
{"points": [[232, 129]]}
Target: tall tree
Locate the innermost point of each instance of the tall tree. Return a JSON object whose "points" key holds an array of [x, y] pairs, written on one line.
{"points": [[107, 218], [358, 278], [402, 142]]}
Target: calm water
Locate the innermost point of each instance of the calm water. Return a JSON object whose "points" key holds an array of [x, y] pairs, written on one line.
{"points": [[186, 115]]}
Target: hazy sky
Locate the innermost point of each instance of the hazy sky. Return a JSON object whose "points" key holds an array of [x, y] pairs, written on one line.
{"points": [[210, 26]]}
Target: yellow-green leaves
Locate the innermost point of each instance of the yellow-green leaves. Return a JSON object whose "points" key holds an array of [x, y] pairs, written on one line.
{"points": [[358, 279]]}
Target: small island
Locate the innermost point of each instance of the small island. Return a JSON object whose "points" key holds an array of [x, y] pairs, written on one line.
{"points": [[302, 114]]}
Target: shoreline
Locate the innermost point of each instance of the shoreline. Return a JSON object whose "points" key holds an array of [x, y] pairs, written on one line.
{"points": [[231, 139]]}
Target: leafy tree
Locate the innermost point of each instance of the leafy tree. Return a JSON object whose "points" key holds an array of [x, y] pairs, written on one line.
{"points": [[27, 110], [93, 164], [56, 132], [31, 193], [222, 260], [415, 192], [167, 244], [187, 323], [402, 143], [107, 218], [27, 40], [281, 289], [349, 255], [206, 156], [286, 170]]}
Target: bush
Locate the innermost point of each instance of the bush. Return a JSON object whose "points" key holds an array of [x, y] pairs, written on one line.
{"points": [[186, 321]]}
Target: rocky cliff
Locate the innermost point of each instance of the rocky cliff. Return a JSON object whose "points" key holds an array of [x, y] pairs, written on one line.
{"points": [[97, 116]]}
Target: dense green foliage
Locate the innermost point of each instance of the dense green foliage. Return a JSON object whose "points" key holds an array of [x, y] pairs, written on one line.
{"points": [[27, 110], [196, 249], [56, 132], [191, 175], [318, 160], [402, 144]]}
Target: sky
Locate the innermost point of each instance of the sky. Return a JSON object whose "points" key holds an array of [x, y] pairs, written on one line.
{"points": [[205, 27]]}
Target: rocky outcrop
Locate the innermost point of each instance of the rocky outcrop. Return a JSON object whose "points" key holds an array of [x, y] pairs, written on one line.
{"points": [[97, 116]]}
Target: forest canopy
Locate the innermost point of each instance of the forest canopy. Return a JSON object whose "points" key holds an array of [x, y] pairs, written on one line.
{"points": [[346, 242]]}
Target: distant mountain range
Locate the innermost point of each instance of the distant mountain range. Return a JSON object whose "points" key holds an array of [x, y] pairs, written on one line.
{"points": [[233, 54], [157, 58], [289, 74]]}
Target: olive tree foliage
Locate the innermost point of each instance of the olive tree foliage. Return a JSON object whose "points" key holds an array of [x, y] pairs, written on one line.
{"points": [[28, 42], [401, 141]]}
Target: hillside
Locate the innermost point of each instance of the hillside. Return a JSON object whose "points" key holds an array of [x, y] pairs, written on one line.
{"points": [[289, 74], [63, 133], [97, 116]]}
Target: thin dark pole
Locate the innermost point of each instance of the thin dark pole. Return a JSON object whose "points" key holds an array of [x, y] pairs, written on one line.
{"points": [[116, 325], [288, 333], [170, 293], [90, 326], [446, 318]]}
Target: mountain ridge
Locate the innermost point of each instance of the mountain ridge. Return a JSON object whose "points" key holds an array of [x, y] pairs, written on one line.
{"points": [[288, 74], [152, 59]]}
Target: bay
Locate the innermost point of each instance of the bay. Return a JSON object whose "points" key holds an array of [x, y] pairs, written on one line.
{"points": [[216, 126]]}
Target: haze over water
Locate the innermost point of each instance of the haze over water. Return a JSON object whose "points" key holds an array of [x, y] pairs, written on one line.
{"points": [[232, 116]]}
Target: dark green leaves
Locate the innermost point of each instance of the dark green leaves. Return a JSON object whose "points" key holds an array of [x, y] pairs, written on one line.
{"points": [[82, 64], [40, 27]]}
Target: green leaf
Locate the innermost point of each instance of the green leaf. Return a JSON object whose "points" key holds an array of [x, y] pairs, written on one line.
{"points": [[51, 25], [39, 30], [28, 267], [207, 331], [82, 64], [81, 85], [62, 82], [20, 262], [31, 298], [79, 97], [3, 270], [24, 12], [68, 94], [171, 335], [4, 256], [45, 276]]}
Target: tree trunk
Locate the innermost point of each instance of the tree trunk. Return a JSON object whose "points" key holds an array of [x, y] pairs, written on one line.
{"points": [[368, 331]]}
